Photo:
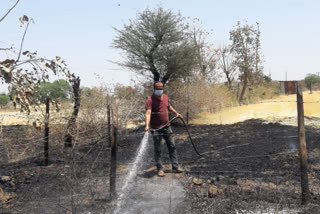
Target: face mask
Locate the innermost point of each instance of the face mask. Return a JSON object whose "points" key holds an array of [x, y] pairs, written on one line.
{"points": [[158, 92]]}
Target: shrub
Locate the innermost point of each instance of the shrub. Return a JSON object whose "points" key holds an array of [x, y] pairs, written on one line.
{"points": [[197, 97], [59, 89], [4, 99]]}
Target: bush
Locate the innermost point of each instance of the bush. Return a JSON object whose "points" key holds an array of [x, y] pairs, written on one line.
{"points": [[59, 89], [197, 97], [310, 80], [268, 90], [4, 99]]}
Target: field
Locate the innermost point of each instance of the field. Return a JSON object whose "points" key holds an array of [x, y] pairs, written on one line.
{"points": [[251, 166], [280, 107]]}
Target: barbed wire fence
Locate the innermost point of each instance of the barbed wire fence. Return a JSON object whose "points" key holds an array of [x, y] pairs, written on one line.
{"points": [[78, 179]]}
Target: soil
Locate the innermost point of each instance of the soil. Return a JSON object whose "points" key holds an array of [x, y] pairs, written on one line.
{"points": [[252, 165]]}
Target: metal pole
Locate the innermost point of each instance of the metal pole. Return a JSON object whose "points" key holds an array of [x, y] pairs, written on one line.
{"points": [[46, 133], [302, 148], [286, 76]]}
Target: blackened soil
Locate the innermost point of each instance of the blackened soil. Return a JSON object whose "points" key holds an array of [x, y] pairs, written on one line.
{"points": [[253, 164]]}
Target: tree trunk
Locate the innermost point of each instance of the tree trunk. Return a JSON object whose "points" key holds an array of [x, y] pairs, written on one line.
{"points": [[166, 78], [229, 81], [76, 107], [46, 133], [245, 82], [156, 77]]}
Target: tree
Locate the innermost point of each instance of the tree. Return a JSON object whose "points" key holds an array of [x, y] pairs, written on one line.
{"points": [[4, 99], [204, 52], [75, 84], [156, 45], [25, 73], [124, 92], [310, 80], [59, 89], [246, 47], [226, 63], [24, 70]]}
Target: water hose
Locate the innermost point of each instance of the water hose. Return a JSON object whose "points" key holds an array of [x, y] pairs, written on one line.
{"points": [[185, 125]]}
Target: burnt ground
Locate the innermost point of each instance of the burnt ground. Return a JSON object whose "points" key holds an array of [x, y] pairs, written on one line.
{"points": [[253, 165]]}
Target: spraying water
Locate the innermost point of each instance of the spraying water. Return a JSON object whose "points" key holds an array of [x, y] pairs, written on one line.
{"points": [[132, 172]]}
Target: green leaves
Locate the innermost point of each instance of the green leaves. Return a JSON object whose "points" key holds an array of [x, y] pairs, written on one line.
{"points": [[246, 48], [28, 71], [59, 89], [310, 80], [4, 99], [156, 42]]}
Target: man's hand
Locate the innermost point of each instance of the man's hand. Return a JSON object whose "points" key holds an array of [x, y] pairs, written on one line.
{"points": [[174, 111], [179, 115], [146, 128]]}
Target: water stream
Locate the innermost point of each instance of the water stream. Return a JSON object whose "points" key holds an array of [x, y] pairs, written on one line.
{"points": [[133, 168]]}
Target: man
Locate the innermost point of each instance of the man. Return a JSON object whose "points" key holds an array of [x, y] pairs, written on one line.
{"points": [[157, 115]]}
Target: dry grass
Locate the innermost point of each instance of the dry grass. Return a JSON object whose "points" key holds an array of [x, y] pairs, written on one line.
{"points": [[279, 107]]}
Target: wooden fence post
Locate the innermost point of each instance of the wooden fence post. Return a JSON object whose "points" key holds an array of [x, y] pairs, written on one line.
{"points": [[188, 100], [113, 165], [302, 148], [109, 125], [46, 133]]}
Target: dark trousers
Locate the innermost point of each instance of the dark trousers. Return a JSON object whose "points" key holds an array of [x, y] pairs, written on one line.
{"points": [[165, 133]]}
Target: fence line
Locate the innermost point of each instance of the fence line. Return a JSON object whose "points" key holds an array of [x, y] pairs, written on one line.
{"points": [[70, 162]]}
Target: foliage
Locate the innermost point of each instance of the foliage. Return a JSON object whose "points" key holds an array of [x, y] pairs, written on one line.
{"points": [[25, 72], [268, 90], [196, 97], [310, 80], [226, 63], [59, 89], [205, 64], [124, 92], [267, 78], [129, 101], [86, 91], [156, 45], [4, 99], [246, 47]]}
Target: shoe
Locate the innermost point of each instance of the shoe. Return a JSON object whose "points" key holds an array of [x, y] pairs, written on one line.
{"points": [[178, 170], [161, 173]]}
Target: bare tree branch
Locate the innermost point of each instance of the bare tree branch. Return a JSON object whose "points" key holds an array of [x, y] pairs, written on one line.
{"points": [[6, 49], [21, 45], [9, 11]]}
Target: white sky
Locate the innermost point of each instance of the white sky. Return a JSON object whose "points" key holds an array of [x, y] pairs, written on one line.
{"points": [[80, 31]]}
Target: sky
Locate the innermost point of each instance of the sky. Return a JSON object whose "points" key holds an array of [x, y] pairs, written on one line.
{"points": [[81, 32]]}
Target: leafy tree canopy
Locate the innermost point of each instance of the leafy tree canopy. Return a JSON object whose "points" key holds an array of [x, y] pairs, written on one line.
{"points": [[4, 99], [156, 45], [310, 80], [246, 48], [59, 89]]}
